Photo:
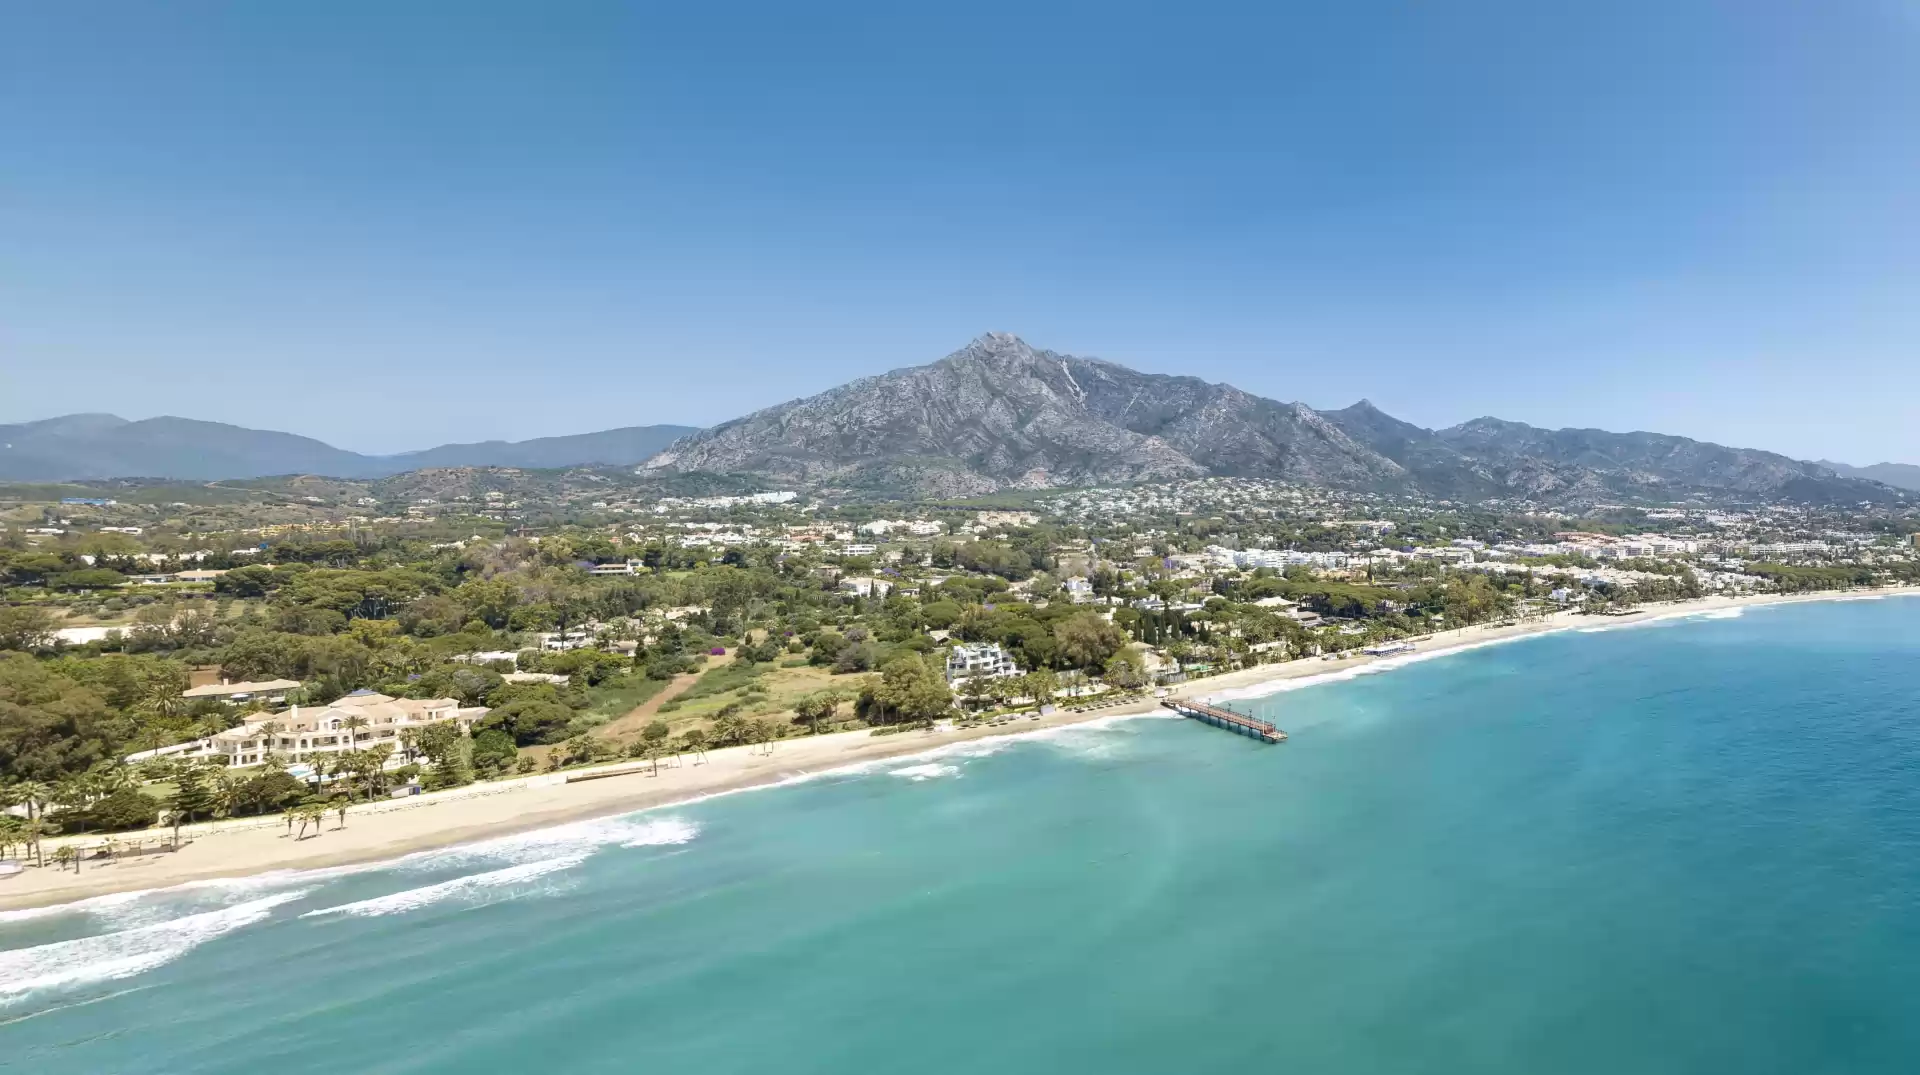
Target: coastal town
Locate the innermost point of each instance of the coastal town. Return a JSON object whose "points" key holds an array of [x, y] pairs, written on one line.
{"points": [[172, 664]]}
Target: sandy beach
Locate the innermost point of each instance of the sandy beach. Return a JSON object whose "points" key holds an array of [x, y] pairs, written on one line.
{"points": [[391, 828]]}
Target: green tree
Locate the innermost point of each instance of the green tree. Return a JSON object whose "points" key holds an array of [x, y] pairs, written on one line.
{"points": [[1087, 641], [25, 628], [126, 808], [655, 733], [192, 798], [494, 751], [906, 689], [1127, 669]]}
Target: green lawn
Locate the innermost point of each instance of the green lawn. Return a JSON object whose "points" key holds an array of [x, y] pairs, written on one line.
{"points": [[616, 697]]}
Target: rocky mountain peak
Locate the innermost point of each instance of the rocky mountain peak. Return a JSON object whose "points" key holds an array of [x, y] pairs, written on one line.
{"points": [[998, 413]]}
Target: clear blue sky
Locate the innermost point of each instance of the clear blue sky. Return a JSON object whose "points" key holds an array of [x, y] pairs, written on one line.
{"points": [[394, 224]]}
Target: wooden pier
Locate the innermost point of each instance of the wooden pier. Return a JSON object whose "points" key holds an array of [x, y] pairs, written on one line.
{"points": [[1222, 717]]}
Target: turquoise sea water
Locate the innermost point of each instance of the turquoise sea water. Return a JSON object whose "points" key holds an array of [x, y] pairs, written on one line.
{"points": [[1689, 846]]}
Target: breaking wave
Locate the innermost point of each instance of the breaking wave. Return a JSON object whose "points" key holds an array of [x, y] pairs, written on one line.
{"points": [[542, 844], [107, 956], [415, 898], [929, 771]]}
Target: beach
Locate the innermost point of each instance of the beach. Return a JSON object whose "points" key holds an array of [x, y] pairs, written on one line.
{"points": [[388, 829]]}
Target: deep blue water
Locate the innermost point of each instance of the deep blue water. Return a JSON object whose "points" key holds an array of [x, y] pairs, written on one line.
{"points": [[1688, 846]]}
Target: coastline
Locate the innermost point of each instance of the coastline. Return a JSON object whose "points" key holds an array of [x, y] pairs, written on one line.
{"points": [[390, 829]]}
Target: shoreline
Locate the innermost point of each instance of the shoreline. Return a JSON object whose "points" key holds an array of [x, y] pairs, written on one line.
{"points": [[390, 829]]}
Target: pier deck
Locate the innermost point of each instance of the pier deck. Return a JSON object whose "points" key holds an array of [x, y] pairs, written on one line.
{"points": [[1222, 717]]}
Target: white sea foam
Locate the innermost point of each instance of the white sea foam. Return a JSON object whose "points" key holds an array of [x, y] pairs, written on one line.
{"points": [[415, 898], [107, 956], [929, 771], [1722, 614], [90, 905], [156, 905], [541, 844]]}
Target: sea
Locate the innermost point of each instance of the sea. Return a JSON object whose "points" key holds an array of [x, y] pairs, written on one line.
{"points": [[1688, 844]]}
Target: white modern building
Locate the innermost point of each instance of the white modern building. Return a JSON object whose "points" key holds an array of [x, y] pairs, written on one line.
{"points": [[970, 660]]}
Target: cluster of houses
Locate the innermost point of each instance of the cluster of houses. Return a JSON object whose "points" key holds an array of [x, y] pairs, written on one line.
{"points": [[299, 733]]}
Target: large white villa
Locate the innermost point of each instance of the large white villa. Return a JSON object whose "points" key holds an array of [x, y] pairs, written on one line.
{"points": [[301, 732]]}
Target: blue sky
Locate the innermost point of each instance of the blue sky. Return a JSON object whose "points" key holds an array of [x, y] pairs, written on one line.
{"points": [[390, 225]]}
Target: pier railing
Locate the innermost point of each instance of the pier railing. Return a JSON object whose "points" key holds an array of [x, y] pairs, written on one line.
{"points": [[1222, 717]]}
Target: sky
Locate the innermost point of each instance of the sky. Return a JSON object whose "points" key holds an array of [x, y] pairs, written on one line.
{"points": [[395, 224]]}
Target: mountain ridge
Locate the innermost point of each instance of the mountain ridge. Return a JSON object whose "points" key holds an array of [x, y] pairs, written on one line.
{"points": [[998, 413], [100, 446], [1898, 475]]}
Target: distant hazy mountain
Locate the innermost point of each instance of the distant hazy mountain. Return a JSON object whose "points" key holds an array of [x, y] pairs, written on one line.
{"points": [[998, 413], [1898, 475], [616, 447], [80, 446]]}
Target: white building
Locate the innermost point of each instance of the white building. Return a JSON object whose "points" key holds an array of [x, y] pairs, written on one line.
{"points": [[863, 586], [300, 733], [969, 660], [273, 690]]}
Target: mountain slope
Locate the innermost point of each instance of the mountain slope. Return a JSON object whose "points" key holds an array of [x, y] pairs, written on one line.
{"points": [[998, 413], [993, 414], [102, 446], [613, 447], [1594, 462], [83, 446], [1898, 475]]}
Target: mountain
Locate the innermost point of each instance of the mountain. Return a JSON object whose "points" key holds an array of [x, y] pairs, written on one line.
{"points": [[615, 447], [105, 446], [1898, 475], [998, 413], [82, 446], [1492, 457]]}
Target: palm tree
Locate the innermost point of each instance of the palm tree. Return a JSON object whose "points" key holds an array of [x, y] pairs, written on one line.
{"points": [[269, 733], [353, 725], [409, 743], [341, 803], [72, 796], [311, 814], [13, 830], [224, 786], [65, 855], [37, 829], [377, 756], [119, 777], [174, 818], [324, 766], [696, 741]]}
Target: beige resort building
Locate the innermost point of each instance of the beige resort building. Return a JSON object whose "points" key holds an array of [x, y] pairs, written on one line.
{"points": [[304, 731]]}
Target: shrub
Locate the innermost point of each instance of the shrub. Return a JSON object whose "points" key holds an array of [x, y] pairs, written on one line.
{"points": [[122, 810]]}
